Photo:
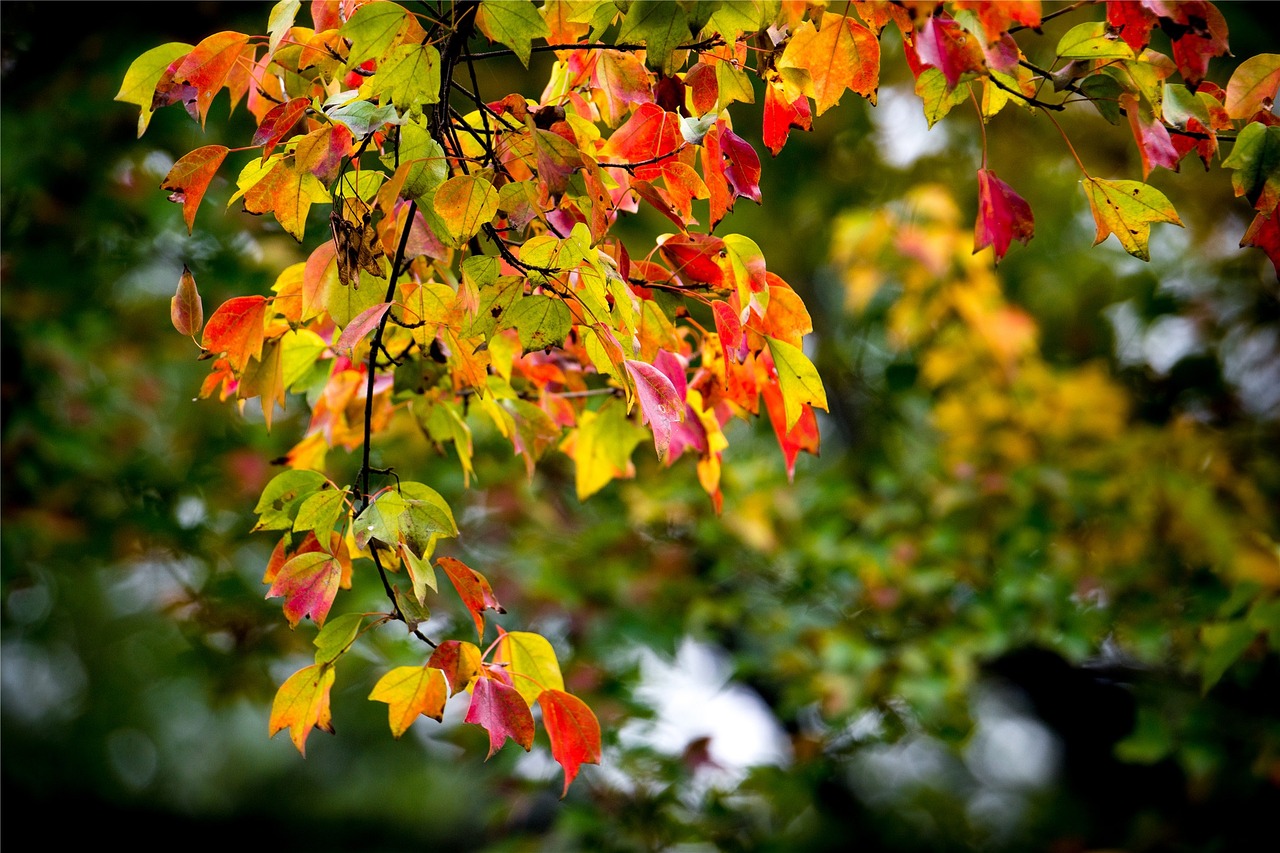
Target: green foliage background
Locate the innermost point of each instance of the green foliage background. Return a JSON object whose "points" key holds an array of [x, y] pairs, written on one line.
{"points": [[873, 604]]}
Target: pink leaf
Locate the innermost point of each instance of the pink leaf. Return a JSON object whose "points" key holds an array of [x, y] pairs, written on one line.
{"points": [[500, 710], [658, 403], [364, 322]]}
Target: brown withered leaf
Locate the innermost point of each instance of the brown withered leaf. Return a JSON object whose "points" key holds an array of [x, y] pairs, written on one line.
{"points": [[355, 238]]}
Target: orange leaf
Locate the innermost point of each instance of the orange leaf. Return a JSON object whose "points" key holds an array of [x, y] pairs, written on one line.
{"points": [[309, 582], [278, 122], [473, 589], [236, 330], [208, 65], [574, 732], [185, 308], [190, 177], [302, 703], [459, 661], [844, 55]]}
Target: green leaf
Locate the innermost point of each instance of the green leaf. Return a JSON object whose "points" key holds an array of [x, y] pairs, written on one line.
{"points": [[663, 26], [320, 512], [1225, 643], [415, 515], [1255, 159], [541, 321], [1093, 40], [939, 99], [429, 169], [144, 74], [363, 117], [797, 379], [336, 637], [283, 497], [1127, 209], [515, 23], [1103, 91], [408, 76], [372, 29]]}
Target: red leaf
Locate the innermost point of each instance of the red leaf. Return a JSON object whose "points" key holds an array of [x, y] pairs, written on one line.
{"points": [[703, 88], [802, 436], [459, 661], [1133, 20], [713, 173], [945, 45], [574, 732], [698, 259], [186, 309], [728, 326], [208, 65], [278, 122], [1264, 234], [780, 117], [743, 170], [473, 589], [1003, 216], [236, 330], [650, 133], [190, 177], [502, 712], [1204, 38], [658, 403]]}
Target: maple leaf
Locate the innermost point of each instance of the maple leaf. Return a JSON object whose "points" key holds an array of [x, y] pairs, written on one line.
{"points": [[464, 204], [1003, 216], [372, 29], [798, 380], [1264, 233], [1132, 21], [530, 661], [473, 588], [410, 692], [943, 44], [514, 24], [236, 330], [573, 730], [780, 116], [144, 74], [1253, 86], [1127, 209], [459, 661], [302, 703], [601, 447], [844, 55], [659, 403], [650, 134], [662, 26], [278, 122], [190, 177], [308, 582], [743, 168], [502, 712], [186, 310], [277, 187], [208, 65], [1154, 144]]}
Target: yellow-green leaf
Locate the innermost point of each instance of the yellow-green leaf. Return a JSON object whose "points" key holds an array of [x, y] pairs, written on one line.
{"points": [[798, 380], [515, 23], [1127, 209], [302, 703], [531, 662], [464, 204], [144, 73]]}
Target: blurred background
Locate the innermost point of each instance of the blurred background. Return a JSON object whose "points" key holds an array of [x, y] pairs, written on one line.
{"points": [[1026, 598]]}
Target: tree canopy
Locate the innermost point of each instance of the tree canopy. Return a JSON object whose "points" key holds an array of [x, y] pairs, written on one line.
{"points": [[1016, 496]]}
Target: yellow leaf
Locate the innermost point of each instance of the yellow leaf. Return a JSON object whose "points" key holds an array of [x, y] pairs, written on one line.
{"points": [[1127, 209], [302, 703], [410, 691], [531, 662]]}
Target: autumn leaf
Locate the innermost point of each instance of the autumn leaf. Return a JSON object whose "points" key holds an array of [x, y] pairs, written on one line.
{"points": [[662, 26], [208, 65], [659, 403], [540, 321], [844, 55], [798, 380], [302, 703], [573, 730], [144, 74], [943, 44], [1255, 165], [1253, 86], [361, 325], [515, 24], [236, 330], [459, 661], [781, 115], [1003, 216], [502, 712], [410, 692], [185, 308], [530, 661], [464, 204], [473, 588], [1128, 209], [601, 447], [1152, 137], [650, 134], [276, 187], [308, 582], [278, 122], [1264, 233], [190, 177], [372, 29]]}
